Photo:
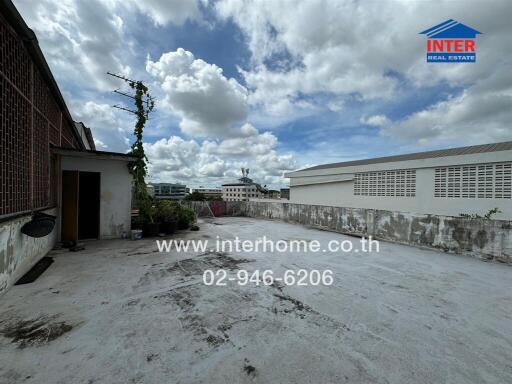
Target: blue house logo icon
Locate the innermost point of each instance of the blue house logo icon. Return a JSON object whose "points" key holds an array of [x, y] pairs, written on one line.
{"points": [[451, 42]]}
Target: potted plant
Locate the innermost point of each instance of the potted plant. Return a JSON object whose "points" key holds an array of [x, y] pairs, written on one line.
{"points": [[137, 222], [167, 215], [186, 217], [147, 213]]}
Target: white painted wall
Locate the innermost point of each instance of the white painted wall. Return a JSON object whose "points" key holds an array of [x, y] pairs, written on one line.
{"points": [[18, 252], [335, 186], [115, 192], [341, 194]]}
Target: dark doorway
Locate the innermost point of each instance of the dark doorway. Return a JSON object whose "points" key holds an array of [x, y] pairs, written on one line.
{"points": [[80, 205], [70, 206], [89, 205]]}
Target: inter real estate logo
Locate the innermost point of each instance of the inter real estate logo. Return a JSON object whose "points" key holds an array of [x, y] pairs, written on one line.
{"points": [[451, 42]]}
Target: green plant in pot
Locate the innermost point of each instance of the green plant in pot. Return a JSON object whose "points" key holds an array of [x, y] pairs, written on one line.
{"points": [[186, 217], [137, 222], [167, 215], [147, 213]]}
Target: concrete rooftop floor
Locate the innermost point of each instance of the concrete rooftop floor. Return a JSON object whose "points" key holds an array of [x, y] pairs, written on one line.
{"points": [[120, 312]]}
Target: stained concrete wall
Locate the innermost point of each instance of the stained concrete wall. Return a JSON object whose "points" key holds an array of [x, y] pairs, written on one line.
{"points": [[486, 239], [18, 252], [115, 192]]}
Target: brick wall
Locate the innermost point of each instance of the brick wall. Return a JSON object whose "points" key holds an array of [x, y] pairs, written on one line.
{"points": [[30, 120]]}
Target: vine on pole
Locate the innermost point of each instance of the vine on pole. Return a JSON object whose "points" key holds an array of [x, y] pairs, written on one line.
{"points": [[144, 105]]}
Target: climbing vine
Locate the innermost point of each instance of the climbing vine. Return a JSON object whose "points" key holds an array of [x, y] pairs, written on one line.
{"points": [[144, 105]]}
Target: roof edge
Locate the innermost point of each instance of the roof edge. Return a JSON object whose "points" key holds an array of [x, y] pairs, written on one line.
{"points": [[92, 153], [468, 150]]}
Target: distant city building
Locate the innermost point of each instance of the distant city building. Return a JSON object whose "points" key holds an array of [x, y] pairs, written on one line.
{"points": [[208, 192], [169, 191], [285, 193], [273, 194], [151, 190], [466, 180], [243, 189]]}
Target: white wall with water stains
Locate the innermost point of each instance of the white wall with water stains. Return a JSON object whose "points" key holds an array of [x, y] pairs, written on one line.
{"points": [[115, 192], [19, 252]]}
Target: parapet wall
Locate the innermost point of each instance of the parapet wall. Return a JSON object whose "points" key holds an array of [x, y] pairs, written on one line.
{"points": [[18, 252], [485, 239]]}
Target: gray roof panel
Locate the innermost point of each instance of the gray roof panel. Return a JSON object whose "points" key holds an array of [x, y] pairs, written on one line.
{"points": [[494, 147]]}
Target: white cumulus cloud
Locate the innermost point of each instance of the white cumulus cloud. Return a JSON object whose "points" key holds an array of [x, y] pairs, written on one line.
{"points": [[210, 104], [375, 120]]}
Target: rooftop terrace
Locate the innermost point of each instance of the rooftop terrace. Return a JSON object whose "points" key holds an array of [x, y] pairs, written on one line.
{"points": [[120, 312]]}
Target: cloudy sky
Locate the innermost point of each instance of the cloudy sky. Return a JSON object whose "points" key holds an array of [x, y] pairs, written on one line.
{"points": [[277, 85]]}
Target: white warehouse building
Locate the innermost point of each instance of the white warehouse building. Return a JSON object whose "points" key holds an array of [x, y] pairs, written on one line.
{"points": [[466, 180]]}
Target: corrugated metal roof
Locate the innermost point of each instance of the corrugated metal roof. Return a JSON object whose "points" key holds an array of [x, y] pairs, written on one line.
{"points": [[494, 147]]}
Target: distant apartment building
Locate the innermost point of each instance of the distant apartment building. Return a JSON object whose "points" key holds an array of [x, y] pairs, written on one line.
{"points": [[240, 192], [466, 180], [169, 191], [243, 189], [208, 192]]}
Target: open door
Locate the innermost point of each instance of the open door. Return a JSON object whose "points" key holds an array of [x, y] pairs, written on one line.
{"points": [[80, 205], [89, 205], [70, 185]]}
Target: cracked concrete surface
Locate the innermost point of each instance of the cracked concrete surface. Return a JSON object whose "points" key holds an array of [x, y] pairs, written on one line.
{"points": [[120, 312]]}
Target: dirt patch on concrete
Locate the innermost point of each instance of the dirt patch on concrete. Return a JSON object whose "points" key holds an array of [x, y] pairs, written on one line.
{"points": [[33, 332], [290, 305], [191, 267], [249, 369], [197, 265], [189, 301], [277, 285], [184, 297], [297, 306], [215, 341]]}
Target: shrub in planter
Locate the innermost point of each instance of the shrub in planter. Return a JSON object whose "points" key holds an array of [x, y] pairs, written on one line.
{"points": [[150, 227], [167, 215], [168, 227], [186, 217], [137, 222]]}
